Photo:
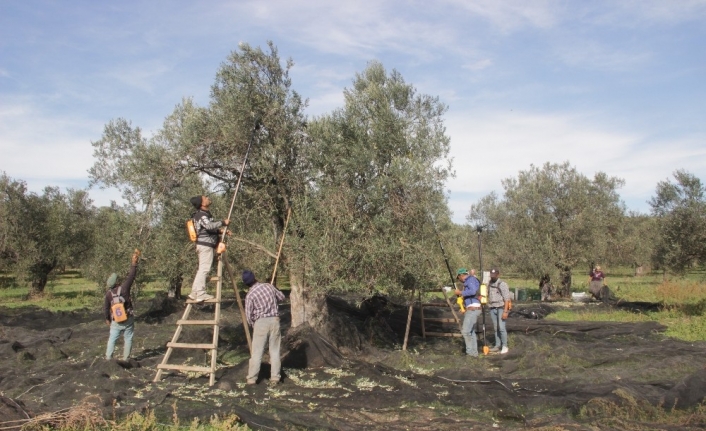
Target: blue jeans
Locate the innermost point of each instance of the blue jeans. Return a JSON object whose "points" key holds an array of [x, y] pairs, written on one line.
{"points": [[127, 328], [496, 315], [470, 323], [265, 329]]}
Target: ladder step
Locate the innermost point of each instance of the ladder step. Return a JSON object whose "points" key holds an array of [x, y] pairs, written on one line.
{"points": [[191, 346], [184, 368], [215, 278], [196, 322], [208, 301]]}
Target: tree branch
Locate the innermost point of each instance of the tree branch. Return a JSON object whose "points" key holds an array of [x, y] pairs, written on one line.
{"points": [[258, 246]]}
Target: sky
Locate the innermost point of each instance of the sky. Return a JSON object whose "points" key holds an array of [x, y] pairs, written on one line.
{"points": [[611, 86]]}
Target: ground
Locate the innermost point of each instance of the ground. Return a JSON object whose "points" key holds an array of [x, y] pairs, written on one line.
{"points": [[557, 375]]}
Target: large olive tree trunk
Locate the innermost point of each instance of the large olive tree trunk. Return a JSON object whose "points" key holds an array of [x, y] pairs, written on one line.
{"points": [[307, 307], [40, 276]]}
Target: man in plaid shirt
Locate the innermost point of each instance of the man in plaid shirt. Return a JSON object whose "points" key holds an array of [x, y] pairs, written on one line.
{"points": [[263, 315]]}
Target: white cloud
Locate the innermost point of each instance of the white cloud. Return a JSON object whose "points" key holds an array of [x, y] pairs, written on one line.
{"points": [[492, 146], [479, 65], [46, 147], [632, 13], [511, 15], [593, 55], [359, 29], [143, 75]]}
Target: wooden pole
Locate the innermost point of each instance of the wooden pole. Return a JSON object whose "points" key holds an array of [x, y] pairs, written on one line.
{"points": [[240, 302], [460, 325], [409, 321], [421, 313], [281, 243], [446, 297]]}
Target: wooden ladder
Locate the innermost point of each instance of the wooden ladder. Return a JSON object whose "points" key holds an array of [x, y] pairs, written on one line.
{"points": [[184, 321]]}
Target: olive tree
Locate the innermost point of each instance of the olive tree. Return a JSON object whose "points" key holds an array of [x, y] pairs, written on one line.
{"points": [[552, 220], [680, 211], [201, 150], [41, 233], [379, 165], [359, 183]]}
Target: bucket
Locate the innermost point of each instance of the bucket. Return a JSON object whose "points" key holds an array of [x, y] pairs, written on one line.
{"points": [[522, 295]]}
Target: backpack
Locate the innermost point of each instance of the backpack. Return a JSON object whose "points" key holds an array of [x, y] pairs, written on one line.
{"points": [[191, 230], [497, 286], [117, 309]]}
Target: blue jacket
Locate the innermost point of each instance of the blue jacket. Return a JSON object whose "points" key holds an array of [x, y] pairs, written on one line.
{"points": [[470, 291]]}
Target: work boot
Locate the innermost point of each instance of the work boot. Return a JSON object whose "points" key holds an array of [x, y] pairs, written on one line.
{"points": [[504, 350], [495, 349], [203, 297]]}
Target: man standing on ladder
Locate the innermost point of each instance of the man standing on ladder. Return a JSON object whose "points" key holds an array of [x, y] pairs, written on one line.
{"points": [[262, 312], [471, 300], [207, 231]]}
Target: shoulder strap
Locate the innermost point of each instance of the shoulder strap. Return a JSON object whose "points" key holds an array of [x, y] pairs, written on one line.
{"points": [[117, 294], [197, 221], [497, 286]]}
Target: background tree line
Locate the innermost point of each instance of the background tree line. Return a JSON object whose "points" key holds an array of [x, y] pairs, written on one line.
{"points": [[363, 184]]}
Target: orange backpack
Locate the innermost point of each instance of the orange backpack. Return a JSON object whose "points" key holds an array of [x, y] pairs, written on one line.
{"points": [[117, 310]]}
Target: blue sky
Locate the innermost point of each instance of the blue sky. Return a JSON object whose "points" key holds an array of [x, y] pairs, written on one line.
{"points": [[612, 86]]}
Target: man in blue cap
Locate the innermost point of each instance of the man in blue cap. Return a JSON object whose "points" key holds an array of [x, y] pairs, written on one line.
{"points": [[471, 300], [262, 312]]}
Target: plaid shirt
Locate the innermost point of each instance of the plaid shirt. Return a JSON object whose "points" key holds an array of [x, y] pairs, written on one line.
{"points": [[261, 301]]}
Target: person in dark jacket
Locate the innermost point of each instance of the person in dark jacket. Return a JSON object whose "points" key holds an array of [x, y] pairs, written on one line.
{"points": [[596, 282], [120, 292], [207, 231]]}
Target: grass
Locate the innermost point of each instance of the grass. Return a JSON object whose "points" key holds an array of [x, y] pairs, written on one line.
{"points": [[86, 416], [683, 299], [67, 291], [683, 302]]}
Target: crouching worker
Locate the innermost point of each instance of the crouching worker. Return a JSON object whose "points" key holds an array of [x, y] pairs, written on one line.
{"points": [[118, 311], [262, 312], [471, 301]]}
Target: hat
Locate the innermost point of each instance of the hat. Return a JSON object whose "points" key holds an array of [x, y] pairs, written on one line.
{"points": [[110, 283], [196, 201], [494, 271], [248, 277], [461, 271]]}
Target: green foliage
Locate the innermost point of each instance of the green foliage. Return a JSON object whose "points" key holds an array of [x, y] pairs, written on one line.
{"points": [[380, 163], [40, 233], [551, 220], [680, 210], [361, 182]]}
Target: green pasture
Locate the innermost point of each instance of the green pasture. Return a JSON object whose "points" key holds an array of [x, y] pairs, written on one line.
{"points": [[683, 299]]}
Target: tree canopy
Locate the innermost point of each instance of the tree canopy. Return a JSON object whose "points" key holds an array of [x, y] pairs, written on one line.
{"points": [[551, 220], [680, 211], [360, 182]]}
